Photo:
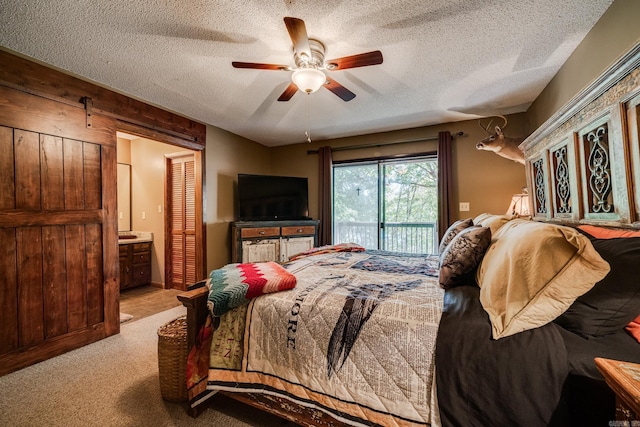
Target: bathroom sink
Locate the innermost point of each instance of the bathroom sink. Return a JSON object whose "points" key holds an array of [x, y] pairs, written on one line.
{"points": [[127, 236]]}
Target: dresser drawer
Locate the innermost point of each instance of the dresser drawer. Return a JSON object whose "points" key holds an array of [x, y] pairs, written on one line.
{"points": [[259, 241], [141, 275], [140, 247], [141, 257], [299, 230], [249, 233], [123, 250]]}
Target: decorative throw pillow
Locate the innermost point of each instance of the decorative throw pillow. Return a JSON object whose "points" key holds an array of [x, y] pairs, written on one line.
{"points": [[452, 231], [494, 222], [615, 300], [462, 255], [532, 272], [634, 328]]}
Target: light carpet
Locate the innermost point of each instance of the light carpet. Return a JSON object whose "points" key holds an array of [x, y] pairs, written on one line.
{"points": [[113, 382]]}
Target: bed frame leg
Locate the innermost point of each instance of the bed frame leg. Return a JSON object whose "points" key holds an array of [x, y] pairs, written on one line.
{"points": [[195, 300]]}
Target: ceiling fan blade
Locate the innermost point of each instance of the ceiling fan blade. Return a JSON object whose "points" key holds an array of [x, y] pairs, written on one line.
{"points": [[298, 33], [342, 92], [353, 61], [259, 66], [288, 92]]}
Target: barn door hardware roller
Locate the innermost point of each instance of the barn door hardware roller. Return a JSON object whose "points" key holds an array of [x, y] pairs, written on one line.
{"points": [[88, 106]]}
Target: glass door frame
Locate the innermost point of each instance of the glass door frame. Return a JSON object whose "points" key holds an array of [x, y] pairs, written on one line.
{"points": [[382, 190]]}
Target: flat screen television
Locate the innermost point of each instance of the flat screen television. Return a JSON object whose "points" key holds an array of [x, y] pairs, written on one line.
{"points": [[272, 198]]}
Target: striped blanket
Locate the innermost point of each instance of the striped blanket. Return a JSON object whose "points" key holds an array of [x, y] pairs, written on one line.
{"points": [[235, 284]]}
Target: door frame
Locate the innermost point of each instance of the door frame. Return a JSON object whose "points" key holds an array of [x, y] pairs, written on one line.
{"points": [[200, 157]]}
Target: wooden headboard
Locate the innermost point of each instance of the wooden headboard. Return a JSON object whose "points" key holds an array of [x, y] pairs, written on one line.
{"points": [[583, 164]]}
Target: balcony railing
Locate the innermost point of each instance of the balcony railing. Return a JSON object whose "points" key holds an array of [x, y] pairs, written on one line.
{"points": [[408, 237]]}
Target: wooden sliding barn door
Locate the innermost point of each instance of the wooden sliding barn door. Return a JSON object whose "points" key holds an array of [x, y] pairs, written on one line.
{"points": [[183, 220], [58, 284]]}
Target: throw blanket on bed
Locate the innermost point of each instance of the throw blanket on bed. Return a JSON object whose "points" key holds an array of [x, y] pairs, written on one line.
{"points": [[352, 339], [235, 284], [340, 247]]}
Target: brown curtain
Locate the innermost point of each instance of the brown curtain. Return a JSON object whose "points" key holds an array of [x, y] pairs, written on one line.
{"points": [[445, 182], [324, 196]]}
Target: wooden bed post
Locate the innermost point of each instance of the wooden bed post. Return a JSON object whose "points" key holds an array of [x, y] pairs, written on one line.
{"points": [[195, 301]]}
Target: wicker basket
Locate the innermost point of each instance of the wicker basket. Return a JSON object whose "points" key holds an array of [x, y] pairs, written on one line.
{"points": [[172, 359]]}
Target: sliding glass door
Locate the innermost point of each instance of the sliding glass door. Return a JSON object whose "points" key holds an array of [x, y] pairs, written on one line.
{"points": [[355, 204], [389, 205]]}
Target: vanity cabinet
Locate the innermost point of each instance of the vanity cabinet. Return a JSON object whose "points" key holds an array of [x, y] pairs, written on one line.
{"points": [[135, 264], [262, 241]]}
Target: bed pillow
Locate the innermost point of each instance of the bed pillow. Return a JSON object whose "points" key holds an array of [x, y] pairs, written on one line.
{"points": [[615, 300], [462, 255], [532, 272], [452, 231], [607, 233], [634, 328], [494, 222]]}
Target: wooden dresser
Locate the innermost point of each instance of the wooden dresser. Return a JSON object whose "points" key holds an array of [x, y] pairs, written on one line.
{"points": [[261, 241]]}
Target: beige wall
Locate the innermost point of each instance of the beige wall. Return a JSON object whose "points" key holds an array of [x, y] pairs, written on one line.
{"points": [[227, 155], [123, 153], [617, 31], [485, 180]]}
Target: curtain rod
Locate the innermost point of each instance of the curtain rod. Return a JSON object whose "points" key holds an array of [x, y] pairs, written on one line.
{"points": [[381, 144]]}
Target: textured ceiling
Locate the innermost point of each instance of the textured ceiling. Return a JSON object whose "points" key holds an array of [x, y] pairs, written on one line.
{"points": [[444, 60]]}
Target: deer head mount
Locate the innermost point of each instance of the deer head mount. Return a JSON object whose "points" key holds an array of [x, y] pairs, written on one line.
{"points": [[500, 144]]}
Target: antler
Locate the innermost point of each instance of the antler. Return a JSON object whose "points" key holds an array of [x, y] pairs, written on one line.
{"points": [[486, 129], [504, 125]]}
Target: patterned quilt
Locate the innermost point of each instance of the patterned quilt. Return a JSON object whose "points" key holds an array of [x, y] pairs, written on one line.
{"points": [[355, 338]]}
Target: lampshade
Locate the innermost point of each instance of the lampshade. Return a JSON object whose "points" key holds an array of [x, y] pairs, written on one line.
{"points": [[308, 80], [519, 205]]}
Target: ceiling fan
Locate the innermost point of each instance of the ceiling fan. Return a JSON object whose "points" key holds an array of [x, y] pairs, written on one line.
{"points": [[308, 74]]}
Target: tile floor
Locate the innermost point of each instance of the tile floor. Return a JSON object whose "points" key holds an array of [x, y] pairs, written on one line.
{"points": [[144, 301]]}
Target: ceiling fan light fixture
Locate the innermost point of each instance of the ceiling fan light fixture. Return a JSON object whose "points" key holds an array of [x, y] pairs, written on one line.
{"points": [[308, 80]]}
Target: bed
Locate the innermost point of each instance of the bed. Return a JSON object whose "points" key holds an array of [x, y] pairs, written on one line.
{"points": [[319, 344], [374, 338], [501, 328]]}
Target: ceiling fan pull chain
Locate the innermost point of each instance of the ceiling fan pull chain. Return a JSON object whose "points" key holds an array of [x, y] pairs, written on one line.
{"points": [[307, 133]]}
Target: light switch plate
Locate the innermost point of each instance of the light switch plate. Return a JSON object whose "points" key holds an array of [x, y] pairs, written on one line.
{"points": [[464, 206]]}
